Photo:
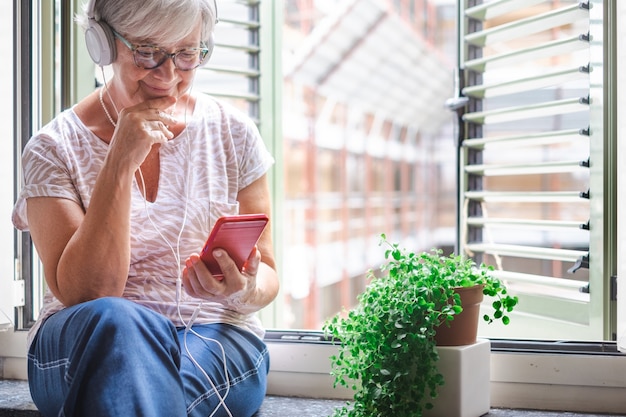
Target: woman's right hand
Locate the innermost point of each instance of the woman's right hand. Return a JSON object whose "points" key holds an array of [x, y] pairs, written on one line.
{"points": [[139, 128]]}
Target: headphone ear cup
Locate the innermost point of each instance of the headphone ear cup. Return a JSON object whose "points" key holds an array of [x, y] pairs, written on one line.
{"points": [[100, 43], [210, 45]]}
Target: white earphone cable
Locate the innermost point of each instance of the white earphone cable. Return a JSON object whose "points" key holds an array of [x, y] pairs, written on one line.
{"points": [[176, 253]]}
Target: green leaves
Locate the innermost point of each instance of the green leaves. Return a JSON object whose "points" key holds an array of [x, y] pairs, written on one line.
{"points": [[388, 355]]}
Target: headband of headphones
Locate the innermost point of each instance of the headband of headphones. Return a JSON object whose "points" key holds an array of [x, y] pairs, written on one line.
{"points": [[100, 39]]}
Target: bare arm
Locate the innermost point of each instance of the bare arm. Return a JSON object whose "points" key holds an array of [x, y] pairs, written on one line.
{"points": [[87, 255]]}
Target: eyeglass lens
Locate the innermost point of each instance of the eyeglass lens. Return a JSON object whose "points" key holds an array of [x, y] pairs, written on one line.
{"points": [[150, 57]]}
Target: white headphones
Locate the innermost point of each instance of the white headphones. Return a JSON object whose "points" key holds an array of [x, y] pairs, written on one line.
{"points": [[99, 38], [101, 41]]}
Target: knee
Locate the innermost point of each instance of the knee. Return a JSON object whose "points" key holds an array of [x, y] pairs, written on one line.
{"points": [[121, 311], [121, 320], [108, 312]]}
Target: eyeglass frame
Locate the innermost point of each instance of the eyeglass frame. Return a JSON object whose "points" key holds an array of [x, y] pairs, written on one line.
{"points": [[171, 55]]}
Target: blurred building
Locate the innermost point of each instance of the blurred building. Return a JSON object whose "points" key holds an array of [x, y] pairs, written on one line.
{"points": [[368, 144]]}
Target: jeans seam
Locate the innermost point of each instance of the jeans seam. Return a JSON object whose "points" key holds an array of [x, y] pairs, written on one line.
{"points": [[48, 365]]}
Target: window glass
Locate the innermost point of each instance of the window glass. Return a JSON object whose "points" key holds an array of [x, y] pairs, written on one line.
{"points": [[362, 153], [369, 148]]}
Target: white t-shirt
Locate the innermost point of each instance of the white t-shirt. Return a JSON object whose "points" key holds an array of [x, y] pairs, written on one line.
{"points": [[202, 170]]}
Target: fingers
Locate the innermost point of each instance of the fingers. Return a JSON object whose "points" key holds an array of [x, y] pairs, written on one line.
{"points": [[151, 117], [159, 130], [139, 128], [166, 119], [199, 282], [155, 109], [159, 120], [251, 267], [227, 265], [154, 124], [193, 285], [159, 109]]}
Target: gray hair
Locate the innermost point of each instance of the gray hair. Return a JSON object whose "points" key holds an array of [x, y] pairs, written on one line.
{"points": [[164, 22]]}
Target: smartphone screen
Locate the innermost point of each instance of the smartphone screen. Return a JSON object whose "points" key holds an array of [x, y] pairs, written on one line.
{"points": [[237, 235]]}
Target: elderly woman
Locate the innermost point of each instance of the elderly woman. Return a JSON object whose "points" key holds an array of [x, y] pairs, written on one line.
{"points": [[121, 192]]}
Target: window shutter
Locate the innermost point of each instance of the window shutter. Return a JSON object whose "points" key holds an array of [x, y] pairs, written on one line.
{"points": [[532, 178], [233, 72]]}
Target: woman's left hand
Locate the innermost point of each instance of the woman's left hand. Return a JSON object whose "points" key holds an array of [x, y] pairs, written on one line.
{"points": [[236, 290]]}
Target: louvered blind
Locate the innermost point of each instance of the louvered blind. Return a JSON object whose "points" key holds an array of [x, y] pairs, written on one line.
{"points": [[233, 72], [526, 204]]}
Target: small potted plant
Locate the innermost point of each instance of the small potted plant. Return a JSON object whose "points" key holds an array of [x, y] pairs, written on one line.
{"points": [[388, 353]]}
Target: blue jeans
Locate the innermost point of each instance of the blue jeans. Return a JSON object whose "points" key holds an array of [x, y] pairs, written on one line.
{"points": [[113, 357]]}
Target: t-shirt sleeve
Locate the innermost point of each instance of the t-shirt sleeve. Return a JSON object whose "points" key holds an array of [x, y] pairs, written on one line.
{"points": [[256, 159], [45, 173]]}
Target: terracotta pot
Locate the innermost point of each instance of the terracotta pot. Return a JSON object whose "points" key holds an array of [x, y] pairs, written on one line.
{"points": [[463, 329]]}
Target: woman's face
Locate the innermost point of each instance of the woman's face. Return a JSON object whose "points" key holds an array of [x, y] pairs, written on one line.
{"points": [[133, 85]]}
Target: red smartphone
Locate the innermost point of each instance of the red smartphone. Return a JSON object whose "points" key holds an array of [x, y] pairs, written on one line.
{"points": [[237, 235]]}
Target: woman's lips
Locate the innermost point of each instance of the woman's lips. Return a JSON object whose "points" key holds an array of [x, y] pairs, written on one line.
{"points": [[160, 91]]}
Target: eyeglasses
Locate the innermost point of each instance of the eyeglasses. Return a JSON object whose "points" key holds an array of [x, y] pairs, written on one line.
{"points": [[151, 57]]}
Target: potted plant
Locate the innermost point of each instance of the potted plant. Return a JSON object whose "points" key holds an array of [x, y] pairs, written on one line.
{"points": [[388, 353]]}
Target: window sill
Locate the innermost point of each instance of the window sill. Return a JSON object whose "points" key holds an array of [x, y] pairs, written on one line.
{"points": [[570, 378], [579, 377]]}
